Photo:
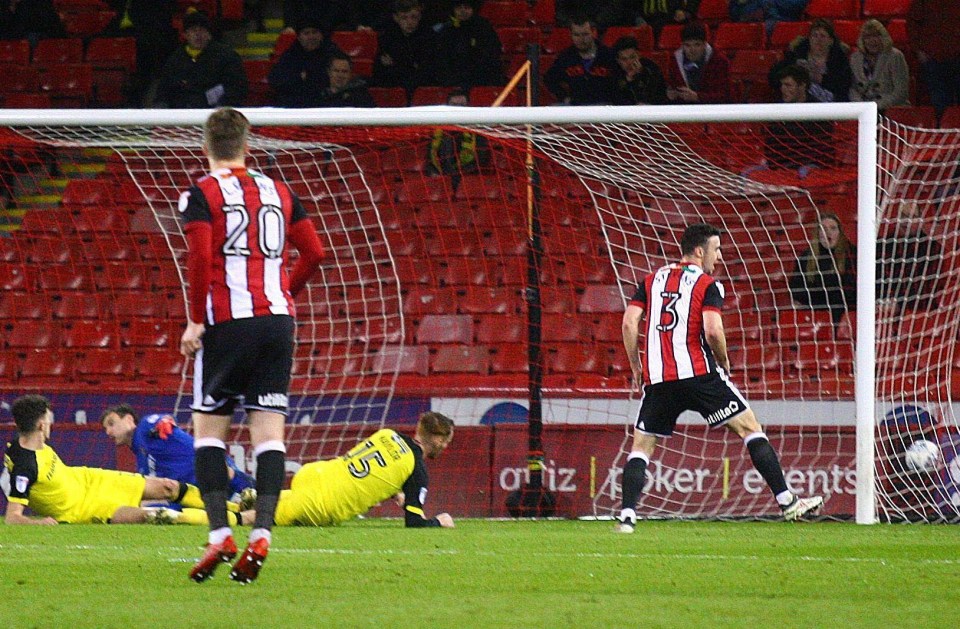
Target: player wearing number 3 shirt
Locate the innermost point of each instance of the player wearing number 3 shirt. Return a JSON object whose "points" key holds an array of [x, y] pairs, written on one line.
{"points": [[240, 332], [684, 366]]}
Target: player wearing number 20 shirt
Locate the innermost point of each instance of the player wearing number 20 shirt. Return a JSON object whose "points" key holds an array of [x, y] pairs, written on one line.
{"points": [[237, 223]]}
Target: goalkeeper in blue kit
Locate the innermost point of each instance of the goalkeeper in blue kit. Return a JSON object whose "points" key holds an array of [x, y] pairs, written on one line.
{"points": [[162, 448]]}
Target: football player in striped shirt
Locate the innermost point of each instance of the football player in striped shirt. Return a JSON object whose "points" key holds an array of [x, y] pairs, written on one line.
{"points": [[240, 329], [684, 366]]}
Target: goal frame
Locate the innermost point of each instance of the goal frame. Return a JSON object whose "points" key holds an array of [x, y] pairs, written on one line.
{"points": [[865, 114]]}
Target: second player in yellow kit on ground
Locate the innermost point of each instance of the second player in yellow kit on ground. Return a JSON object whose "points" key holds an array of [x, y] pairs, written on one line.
{"points": [[385, 465]]}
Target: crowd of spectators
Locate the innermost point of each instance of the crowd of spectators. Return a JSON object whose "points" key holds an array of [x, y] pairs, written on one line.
{"points": [[450, 43]]}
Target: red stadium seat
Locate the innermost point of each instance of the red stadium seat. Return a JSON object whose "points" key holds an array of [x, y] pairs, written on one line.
{"points": [[284, 41], [389, 96], [423, 301], [257, 70], [9, 367], [714, 11], [95, 366], [88, 192], [86, 23], [882, 9], [64, 277], [13, 276], [509, 358], [785, 32], [32, 333], [445, 328], [357, 44], [43, 367], [462, 359], [602, 298], [51, 53], [561, 327], [69, 86], [608, 328], [542, 13], [834, 9], [897, 29], [736, 36], [848, 31], [19, 79], [77, 305], [917, 116], [572, 358], [143, 333], [486, 95], [505, 13], [824, 356], [499, 300], [158, 364], [804, 325], [501, 329], [15, 51], [643, 35], [467, 271], [670, 37], [112, 53], [950, 118], [407, 359], [430, 95], [555, 41], [89, 333], [121, 276], [18, 305], [515, 40]]}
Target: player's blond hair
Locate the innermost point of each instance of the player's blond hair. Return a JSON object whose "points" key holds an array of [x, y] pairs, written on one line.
{"points": [[225, 134], [432, 423]]}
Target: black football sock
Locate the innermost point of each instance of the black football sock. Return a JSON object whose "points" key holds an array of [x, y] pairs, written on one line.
{"points": [[270, 472], [214, 483], [765, 459], [634, 473]]}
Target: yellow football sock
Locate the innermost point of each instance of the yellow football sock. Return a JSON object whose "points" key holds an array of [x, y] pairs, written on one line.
{"points": [[190, 496], [199, 516]]}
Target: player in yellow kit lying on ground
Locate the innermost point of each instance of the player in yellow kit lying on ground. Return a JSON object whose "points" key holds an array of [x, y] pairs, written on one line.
{"points": [[80, 495], [385, 465]]}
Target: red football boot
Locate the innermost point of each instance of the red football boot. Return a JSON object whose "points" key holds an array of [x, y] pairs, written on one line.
{"points": [[248, 566], [213, 557]]}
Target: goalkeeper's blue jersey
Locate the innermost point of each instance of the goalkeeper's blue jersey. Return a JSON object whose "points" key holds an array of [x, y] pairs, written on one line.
{"points": [[163, 449]]}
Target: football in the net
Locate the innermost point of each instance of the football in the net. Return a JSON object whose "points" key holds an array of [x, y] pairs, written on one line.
{"points": [[922, 456]]}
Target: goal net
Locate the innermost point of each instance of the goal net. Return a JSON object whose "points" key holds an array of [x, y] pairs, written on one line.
{"points": [[429, 297]]}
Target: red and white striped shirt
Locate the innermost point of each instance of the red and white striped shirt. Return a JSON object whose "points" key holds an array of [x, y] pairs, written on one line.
{"points": [[674, 299], [250, 218]]}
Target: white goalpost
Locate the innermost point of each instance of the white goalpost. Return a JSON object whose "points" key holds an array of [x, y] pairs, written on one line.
{"points": [[424, 300]]}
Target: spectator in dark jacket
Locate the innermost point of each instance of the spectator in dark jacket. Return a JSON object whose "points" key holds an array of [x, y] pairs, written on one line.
{"points": [[586, 72], [767, 11], [407, 49], [299, 76], [150, 23], [639, 81], [29, 19], [800, 145], [825, 276], [204, 72], [659, 13], [698, 74], [468, 48], [824, 56], [344, 89]]}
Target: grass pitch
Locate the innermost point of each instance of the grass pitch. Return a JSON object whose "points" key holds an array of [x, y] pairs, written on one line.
{"points": [[492, 574]]}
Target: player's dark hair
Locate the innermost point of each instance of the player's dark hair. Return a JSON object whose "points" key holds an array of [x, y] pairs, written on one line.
{"points": [[798, 73], [402, 6], [225, 133], [121, 410], [626, 43], [27, 411], [696, 235], [338, 55], [433, 423]]}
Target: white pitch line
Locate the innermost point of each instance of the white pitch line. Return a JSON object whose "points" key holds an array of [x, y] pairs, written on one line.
{"points": [[455, 552]]}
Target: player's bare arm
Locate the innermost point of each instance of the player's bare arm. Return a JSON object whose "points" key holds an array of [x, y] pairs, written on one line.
{"points": [[716, 338], [631, 334], [15, 515]]}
